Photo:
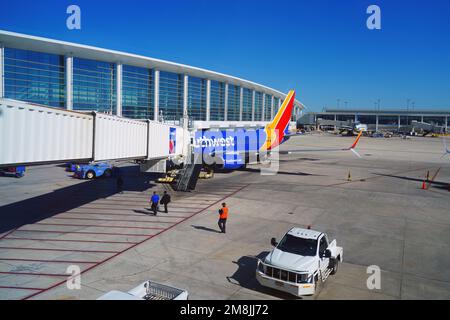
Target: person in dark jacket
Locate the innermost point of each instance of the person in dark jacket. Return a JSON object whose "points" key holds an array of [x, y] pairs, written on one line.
{"points": [[165, 200]]}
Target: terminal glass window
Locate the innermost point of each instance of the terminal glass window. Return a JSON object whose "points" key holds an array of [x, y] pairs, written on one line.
{"points": [[325, 116], [171, 88], [217, 101], [258, 105], [137, 92], [197, 98], [437, 121], [407, 120], [392, 120], [94, 85], [267, 108], [247, 99], [367, 119], [345, 117], [276, 101], [234, 98], [34, 77]]}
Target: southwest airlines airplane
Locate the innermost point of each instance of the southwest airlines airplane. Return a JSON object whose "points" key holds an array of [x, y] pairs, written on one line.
{"points": [[235, 148]]}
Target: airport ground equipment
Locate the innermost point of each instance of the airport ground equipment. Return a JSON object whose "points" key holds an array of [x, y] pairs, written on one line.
{"points": [[188, 176], [148, 290], [299, 262], [93, 170], [18, 171], [170, 177], [206, 173], [34, 134]]}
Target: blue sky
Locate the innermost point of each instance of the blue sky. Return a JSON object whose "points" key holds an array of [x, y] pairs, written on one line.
{"points": [[321, 48]]}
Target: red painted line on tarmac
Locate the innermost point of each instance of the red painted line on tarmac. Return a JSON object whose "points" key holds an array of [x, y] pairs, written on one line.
{"points": [[96, 226], [70, 240], [21, 288], [163, 215], [106, 214], [95, 219], [36, 274], [52, 249], [52, 261], [82, 232], [131, 247]]}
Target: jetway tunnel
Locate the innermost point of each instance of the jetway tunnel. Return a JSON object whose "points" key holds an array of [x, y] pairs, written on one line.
{"points": [[32, 134]]}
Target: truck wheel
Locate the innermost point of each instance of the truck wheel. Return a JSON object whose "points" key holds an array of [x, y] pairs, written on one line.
{"points": [[90, 175], [107, 173], [335, 266]]}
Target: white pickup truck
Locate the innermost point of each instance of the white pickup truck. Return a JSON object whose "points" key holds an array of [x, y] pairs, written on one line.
{"points": [[297, 264], [147, 290]]}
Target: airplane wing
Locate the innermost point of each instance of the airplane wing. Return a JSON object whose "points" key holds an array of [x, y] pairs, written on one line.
{"points": [[351, 148]]}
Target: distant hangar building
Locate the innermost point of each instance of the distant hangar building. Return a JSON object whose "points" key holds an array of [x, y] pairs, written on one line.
{"points": [[392, 119], [79, 77]]}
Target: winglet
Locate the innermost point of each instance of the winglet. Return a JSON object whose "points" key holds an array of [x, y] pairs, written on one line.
{"points": [[356, 140], [352, 148]]}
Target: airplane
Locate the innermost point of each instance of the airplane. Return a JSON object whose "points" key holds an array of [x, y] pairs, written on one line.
{"points": [[235, 148]]}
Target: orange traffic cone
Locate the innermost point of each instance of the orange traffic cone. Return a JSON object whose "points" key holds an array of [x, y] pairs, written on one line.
{"points": [[424, 185]]}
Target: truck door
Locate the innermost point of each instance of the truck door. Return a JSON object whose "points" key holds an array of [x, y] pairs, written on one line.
{"points": [[324, 262]]}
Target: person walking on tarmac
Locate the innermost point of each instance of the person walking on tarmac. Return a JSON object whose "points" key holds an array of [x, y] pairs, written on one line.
{"points": [[223, 216], [165, 200], [154, 201]]}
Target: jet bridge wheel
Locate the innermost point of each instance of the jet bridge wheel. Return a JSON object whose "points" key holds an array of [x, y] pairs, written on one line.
{"points": [[90, 174]]}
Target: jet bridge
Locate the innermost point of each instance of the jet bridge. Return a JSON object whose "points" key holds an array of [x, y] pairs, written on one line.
{"points": [[32, 134]]}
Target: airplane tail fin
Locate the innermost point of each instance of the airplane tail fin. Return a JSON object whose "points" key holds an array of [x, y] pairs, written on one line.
{"points": [[276, 129]]}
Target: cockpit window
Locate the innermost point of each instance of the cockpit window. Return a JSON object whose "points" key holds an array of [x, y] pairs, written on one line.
{"points": [[300, 246]]}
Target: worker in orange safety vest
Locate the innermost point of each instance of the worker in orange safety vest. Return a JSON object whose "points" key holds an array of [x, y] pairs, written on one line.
{"points": [[223, 216]]}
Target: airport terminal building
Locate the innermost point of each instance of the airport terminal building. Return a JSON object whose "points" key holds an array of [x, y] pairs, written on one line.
{"points": [[79, 77]]}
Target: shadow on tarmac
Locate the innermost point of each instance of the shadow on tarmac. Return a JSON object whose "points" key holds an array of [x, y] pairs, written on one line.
{"points": [[281, 172], [205, 229], [245, 277], [437, 184], [32, 210]]}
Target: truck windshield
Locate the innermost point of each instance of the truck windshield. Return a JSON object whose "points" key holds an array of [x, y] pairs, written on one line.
{"points": [[300, 246]]}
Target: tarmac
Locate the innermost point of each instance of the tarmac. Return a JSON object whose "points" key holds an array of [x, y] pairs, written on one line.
{"points": [[381, 216]]}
